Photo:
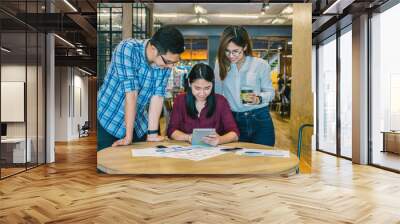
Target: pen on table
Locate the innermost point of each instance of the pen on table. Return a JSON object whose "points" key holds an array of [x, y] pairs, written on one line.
{"points": [[253, 153], [231, 149]]}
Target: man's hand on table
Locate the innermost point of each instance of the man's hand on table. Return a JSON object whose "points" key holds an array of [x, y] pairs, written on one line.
{"points": [[123, 141], [155, 138]]}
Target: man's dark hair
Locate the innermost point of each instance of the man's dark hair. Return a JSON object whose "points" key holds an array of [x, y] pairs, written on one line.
{"points": [[168, 39]]}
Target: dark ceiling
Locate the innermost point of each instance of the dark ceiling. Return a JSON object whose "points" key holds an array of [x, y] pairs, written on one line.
{"points": [[77, 27], [77, 23]]}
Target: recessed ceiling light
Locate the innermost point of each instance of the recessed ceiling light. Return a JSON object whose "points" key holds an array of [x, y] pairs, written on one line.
{"points": [[265, 6], [5, 49], [199, 9], [84, 71], [65, 41], [70, 5], [287, 10]]}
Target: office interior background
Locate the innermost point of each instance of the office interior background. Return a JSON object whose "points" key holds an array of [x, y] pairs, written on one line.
{"points": [[201, 25], [54, 55]]}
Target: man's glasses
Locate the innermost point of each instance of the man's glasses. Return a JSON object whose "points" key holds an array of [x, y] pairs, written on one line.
{"points": [[234, 53], [167, 62]]}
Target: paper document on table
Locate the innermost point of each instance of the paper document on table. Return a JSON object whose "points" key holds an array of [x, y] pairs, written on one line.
{"points": [[145, 152], [158, 152], [195, 153], [268, 153]]}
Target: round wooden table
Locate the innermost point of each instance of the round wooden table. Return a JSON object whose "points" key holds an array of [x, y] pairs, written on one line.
{"points": [[119, 160]]}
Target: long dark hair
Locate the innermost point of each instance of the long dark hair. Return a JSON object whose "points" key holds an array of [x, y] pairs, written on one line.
{"points": [[200, 71], [239, 36]]}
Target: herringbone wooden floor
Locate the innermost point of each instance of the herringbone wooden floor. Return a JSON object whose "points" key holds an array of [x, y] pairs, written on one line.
{"points": [[71, 191]]}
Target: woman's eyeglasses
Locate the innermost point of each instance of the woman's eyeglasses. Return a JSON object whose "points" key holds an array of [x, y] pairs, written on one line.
{"points": [[234, 53]]}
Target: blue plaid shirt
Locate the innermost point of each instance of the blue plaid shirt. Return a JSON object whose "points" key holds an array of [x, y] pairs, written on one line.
{"points": [[129, 71]]}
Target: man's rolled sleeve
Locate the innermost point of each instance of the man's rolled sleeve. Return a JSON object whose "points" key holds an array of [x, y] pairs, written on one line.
{"points": [[125, 64], [130, 85]]}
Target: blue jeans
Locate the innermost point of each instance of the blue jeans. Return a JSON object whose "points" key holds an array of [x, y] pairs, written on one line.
{"points": [[256, 126], [105, 139]]}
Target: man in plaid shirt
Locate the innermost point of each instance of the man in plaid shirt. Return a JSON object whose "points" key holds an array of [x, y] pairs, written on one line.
{"points": [[135, 82]]}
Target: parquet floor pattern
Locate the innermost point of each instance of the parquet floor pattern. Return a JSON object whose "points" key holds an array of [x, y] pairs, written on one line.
{"points": [[71, 191]]}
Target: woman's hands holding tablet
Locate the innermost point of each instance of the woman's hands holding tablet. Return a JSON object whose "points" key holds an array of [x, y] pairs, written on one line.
{"points": [[213, 140]]}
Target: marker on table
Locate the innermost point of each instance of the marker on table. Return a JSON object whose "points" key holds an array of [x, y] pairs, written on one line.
{"points": [[253, 153], [231, 149]]}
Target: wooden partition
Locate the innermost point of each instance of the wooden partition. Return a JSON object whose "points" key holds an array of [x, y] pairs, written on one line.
{"points": [[302, 96]]}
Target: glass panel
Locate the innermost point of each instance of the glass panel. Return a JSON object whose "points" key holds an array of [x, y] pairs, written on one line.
{"points": [[41, 99], [103, 43], [327, 97], [13, 72], [31, 99], [104, 19], [116, 21], [139, 21], [108, 36], [116, 38], [385, 84], [346, 94]]}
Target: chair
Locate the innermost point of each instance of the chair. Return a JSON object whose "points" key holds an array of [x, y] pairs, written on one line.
{"points": [[84, 130], [300, 141]]}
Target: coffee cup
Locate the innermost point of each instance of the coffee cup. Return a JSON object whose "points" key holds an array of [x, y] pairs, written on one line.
{"points": [[244, 93]]}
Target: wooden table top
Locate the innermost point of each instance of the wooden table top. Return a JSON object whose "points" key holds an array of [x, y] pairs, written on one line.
{"points": [[118, 160]]}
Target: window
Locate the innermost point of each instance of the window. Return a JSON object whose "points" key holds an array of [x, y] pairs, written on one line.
{"points": [[385, 88], [327, 96], [346, 93], [109, 34]]}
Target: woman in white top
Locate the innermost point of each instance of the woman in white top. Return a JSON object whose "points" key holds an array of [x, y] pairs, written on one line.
{"points": [[246, 83]]}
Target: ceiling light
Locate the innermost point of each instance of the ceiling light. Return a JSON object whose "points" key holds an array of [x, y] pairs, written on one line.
{"points": [[238, 16], [70, 5], [338, 6], [289, 42], [278, 21], [5, 49], [287, 10], [172, 15], [202, 20], [265, 6], [199, 9], [84, 71], [65, 41]]}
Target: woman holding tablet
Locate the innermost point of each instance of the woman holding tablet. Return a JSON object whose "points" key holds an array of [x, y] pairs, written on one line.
{"points": [[200, 107], [246, 83]]}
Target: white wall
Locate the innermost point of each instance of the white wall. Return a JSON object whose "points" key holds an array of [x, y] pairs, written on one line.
{"points": [[34, 123], [61, 103], [71, 93]]}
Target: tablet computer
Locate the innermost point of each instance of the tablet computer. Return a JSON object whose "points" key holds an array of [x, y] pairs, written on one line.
{"points": [[199, 133]]}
